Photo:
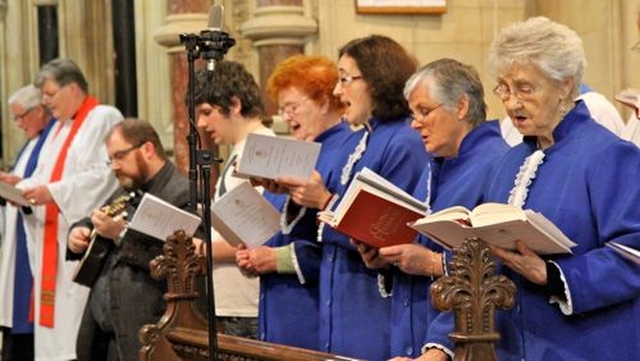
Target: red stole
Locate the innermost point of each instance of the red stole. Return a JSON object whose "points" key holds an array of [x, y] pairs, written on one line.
{"points": [[50, 256]]}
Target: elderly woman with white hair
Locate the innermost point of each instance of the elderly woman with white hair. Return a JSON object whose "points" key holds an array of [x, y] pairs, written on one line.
{"points": [[580, 306]]}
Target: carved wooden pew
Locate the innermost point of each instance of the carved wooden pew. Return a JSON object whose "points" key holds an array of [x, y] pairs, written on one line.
{"points": [[473, 291], [182, 333]]}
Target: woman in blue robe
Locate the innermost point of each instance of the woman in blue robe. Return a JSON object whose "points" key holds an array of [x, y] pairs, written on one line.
{"points": [[354, 319], [288, 264], [584, 305], [446, 98]]}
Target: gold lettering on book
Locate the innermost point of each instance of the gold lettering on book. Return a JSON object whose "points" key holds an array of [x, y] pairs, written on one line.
{"points": [[386, 223]]}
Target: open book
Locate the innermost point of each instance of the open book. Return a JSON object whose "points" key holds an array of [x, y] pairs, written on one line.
{"points": [[375, 211], [270, 157], [244, 215], [627, 252], [160, 219], [497, 224]]}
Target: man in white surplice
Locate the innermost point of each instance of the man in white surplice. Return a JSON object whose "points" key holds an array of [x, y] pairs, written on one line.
{"points": [[16, 280], [71, 181]]}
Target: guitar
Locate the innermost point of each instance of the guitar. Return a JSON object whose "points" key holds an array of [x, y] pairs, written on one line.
{"points": [[92, 261]]}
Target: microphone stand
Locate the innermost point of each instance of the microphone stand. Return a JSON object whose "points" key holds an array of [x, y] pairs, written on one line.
{"points": [[212, 46]]}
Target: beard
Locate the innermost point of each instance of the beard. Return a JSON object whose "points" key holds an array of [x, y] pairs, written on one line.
{"points": [[133, 182]]}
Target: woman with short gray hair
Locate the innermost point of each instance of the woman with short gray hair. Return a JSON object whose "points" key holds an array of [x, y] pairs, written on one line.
{"points": [[583, 305]]}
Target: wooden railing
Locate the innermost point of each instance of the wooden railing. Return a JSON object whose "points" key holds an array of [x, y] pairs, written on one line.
{"points": [[182, 333], [472, 292]]}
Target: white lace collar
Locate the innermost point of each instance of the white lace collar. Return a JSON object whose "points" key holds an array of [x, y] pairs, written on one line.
{"points": [[353, 158], [524, 178]]}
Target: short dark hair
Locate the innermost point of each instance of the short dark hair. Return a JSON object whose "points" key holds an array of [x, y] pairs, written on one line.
{"points": [[137, 132], [63, 72], [385, 66], [229, 79]]}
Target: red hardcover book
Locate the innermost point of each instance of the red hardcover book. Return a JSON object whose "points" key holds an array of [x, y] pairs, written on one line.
{"points": [[375, 212]]}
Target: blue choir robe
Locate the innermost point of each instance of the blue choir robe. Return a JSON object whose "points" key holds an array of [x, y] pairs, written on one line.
{"points": [[354, 318], [288, 310], [451, 181], [588, 186]]}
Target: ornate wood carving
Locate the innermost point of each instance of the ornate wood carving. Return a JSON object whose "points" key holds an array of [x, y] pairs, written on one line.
{"points": [[180, 266], [473, 291], [182, 333]]}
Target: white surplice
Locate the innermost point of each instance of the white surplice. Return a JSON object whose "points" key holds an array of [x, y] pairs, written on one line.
{"points": [[86, 183], [8, 259]]}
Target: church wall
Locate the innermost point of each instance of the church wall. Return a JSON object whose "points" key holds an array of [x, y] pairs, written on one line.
{"points": [[464, 32]]}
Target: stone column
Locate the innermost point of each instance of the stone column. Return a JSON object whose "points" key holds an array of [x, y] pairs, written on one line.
{"points": [[47, 29], [279, 29], [184, 17], [124, 39]]}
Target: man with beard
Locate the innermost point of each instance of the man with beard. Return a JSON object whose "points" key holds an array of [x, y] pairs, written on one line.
{"points": [[125, 297]]}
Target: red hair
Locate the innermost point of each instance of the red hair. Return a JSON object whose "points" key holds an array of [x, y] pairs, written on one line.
{"points": [[315, 76]]}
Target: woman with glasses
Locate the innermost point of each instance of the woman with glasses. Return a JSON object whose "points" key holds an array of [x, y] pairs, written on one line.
{"points": [[288, 263], [585, 305], [354, 305], [446, 99]]}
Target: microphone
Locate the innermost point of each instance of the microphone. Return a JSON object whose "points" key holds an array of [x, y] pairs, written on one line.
{"points": [[214, 28], [214, 42]]}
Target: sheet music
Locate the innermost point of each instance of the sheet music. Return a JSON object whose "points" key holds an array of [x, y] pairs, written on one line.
{"points": [[243, 215], [157, 218], [270, 157]]}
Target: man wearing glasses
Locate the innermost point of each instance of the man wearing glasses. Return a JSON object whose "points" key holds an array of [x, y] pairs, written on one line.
{"points": [[124, 297], [16, 280], [67, 184]]}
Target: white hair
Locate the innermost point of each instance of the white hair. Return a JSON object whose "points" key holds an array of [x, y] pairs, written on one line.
{"points": [[554, 48], [28, 97]]}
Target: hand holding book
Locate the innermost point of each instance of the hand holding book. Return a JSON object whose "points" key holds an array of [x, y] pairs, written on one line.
{"points": [[375, 211], [309, 192], [497, 224]]}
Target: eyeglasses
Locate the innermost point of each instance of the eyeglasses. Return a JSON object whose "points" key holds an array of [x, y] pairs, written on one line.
{"points": [[119, 155], [21, 116], [423, 113], [291, 109], [346, 80], [48, 94], [521, 91]]}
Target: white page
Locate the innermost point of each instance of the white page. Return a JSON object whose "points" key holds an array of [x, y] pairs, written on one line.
{"points": [[270, 157], [13, 194], [375, 180], [160, 219], [243, 214], [625, 251]]}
